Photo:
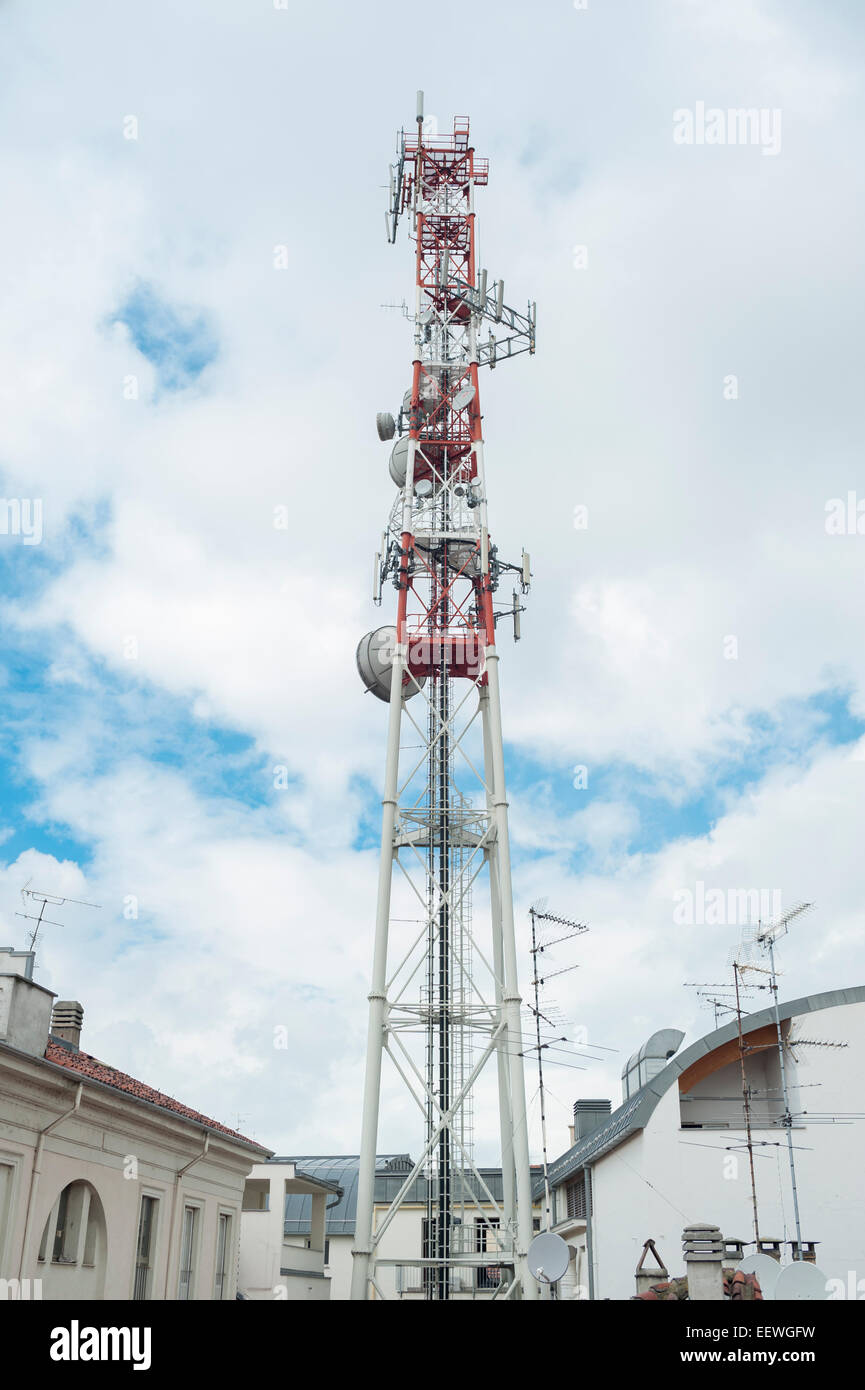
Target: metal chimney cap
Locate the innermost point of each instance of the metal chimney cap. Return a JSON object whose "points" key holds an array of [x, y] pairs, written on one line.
{"points": [[71, 1009], [701, 1241]]}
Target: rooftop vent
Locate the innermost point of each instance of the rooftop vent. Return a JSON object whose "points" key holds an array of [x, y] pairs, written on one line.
{"points": [[589, 1115], [67, 1020], [651, 1058]]}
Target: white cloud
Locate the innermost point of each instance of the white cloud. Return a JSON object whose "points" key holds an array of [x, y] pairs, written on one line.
{"points": [[706, 515]]}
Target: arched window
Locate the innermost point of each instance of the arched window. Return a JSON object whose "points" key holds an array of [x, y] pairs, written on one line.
{"points": [[73, 1249]]}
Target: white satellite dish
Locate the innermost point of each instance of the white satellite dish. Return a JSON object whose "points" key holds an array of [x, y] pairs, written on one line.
{"points": [[548, 1257], [423, 487], [767, 1271], [801, 1280], [426, 316], [464, 396]]}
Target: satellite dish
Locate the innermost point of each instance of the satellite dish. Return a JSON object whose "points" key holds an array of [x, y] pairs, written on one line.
{"points": [[423, 488], [464, 396], [801, 1280], [548, 1257], [426, 316], [767, 1271]]}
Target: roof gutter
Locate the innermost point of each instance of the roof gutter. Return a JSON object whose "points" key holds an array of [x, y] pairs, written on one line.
{"points": [[590, 1244], [36, 1170], [181, 1173]]}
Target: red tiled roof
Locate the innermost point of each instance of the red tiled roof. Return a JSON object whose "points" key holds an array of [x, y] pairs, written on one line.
{"points": [[91, 1067]]}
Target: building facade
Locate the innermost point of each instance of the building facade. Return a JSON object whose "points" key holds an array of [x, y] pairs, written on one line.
{"points": [[405, 1240], [109, 1189], [674, 1152], [271, 1265]]}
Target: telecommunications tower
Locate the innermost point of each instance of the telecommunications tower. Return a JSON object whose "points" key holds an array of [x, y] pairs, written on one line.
{"points": [[445, 1003]]}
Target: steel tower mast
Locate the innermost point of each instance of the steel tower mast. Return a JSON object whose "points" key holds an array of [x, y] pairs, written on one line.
{"points": [[443, 1004]]}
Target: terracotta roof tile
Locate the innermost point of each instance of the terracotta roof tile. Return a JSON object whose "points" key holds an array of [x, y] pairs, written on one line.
{"points": [[85, 1065]]}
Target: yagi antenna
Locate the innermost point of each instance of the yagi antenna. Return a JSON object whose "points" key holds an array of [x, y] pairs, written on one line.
{"points": [[46, 899], [767, 937], [573, 929], [773, 930]]}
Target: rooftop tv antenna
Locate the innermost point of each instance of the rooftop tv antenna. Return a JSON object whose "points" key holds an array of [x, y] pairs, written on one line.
{"points": [[443, 1004], [720, 1000], [766, 937], [44, 900], [571, 931], [746, 1102]]}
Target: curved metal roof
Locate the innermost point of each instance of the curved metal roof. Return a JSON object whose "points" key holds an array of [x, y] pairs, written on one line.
{"points": [[342, 1170], [634, 1114], [660, 1045]]}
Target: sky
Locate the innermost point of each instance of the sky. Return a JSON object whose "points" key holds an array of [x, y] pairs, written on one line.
{"points": [[194, 344]]}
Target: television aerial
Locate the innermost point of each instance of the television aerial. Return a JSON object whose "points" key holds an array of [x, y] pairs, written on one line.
{"points": [[45, 900]]}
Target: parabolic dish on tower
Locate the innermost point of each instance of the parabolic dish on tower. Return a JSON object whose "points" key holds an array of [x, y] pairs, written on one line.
{"points": [[375, 657]]}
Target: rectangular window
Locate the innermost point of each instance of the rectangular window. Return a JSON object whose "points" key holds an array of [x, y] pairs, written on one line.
{"points": [[60, 1226], [487, 1241], [144, 1247], [223, 1253], [576, 1198], [187, 1252]]}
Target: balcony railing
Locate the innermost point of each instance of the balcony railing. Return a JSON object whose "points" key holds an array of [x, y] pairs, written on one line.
{"points": [[413, 1279]]}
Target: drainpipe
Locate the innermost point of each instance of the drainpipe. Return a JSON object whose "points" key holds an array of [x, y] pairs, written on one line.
{"points": [[181, 1173], [590, 1245], [37, 1169]]}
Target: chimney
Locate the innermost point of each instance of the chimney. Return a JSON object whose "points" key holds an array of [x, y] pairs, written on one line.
{"points": [[67, 1019], [589, 1115], [647, 1277], [734, 1252], [704, 1255], [25, 1007]]}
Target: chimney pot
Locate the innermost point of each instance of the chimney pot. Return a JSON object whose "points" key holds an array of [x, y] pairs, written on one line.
{"points": [[67, 1020]]}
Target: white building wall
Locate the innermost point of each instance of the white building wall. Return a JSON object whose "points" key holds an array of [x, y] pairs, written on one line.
{"points": [[122, 1150], [667, 1177], [265, 1251]]}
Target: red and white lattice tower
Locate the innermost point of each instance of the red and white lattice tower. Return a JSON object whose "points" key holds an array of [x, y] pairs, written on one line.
{"points": [[444, 1004]]}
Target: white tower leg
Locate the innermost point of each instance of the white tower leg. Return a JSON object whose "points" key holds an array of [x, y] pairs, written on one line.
{"points": [[501, 855], [377, 997]]}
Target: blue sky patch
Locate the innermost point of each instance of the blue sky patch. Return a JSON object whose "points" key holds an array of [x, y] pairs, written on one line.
{"points": [[177, 340], [790, 734]]}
